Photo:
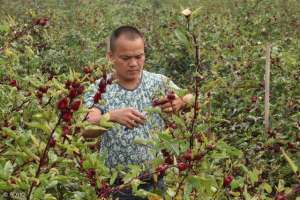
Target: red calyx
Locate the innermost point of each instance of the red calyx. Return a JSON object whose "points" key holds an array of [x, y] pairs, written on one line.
{"points": [[210, 146], [227, 180], [102, 86], [87, 70], [75, 84], [109, 81], [80, 90], [42, 21], [173, 126], [161, 169], [97, 97], [63, 103], [171, 95], [68, 84], [254, 99], [52, 142], [188, 155], [66, 131], [291, 145], [13, 83], [104, 191], [182, 166], [281, 196], [72, 93], [67, 116], [75, 105], [43, 89], [198, 157], [91, 173], [39, 94]]}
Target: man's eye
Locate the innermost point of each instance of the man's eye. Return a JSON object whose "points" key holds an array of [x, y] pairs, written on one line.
{"points": [[125, 58]]}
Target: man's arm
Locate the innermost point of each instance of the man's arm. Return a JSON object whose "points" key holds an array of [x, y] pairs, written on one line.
{"points": [[128, 117]]}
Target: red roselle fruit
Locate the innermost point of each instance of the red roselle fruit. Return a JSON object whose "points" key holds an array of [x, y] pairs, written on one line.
{"points": [[254, 99], [67, 116], [210, 146], [161, 169], [87, 70], [227, 180], [80, 90], [66, 131], [171, 95], [42, 21], [91, 173], [97, 97], [172, 125], [198, 157], [63, 103], [75, 105], [52, 142], [157, 102], [102, 86], [188, 155], [13, 83], [68, 84], [281, 196], [72, 92], [43, 89], [104, 191], [182, 166]]}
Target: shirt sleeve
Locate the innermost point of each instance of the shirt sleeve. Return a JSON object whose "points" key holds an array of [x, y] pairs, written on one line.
{"points": [[88, 97], [168, 84]]}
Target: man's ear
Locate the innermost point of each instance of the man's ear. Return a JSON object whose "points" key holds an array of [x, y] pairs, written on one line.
{"points": [[109, 56]]}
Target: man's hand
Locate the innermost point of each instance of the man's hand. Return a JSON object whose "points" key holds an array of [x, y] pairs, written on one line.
{"points": [[94, 115], [176, 104], [128, 117]]}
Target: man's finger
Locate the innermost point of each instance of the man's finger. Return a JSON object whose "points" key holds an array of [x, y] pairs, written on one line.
{"points": [[137, 119], [166, 105], [167, 110], [138, 114], [131, 123]]}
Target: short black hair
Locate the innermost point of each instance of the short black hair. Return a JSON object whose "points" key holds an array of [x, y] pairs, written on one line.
{"points": [[130, 32]]}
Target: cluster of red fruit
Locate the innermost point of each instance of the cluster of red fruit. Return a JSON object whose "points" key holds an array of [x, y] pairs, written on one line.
{"points": [[104, 191], [170, 97], [40, 93], [102, 88], [13, 83], [70, 104], [41, 21], [184, 161]]}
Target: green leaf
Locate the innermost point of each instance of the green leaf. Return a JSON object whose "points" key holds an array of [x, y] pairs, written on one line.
{"points": [[266, 187], [290, 161], [181, 36], [39, 125], [4, 186]]}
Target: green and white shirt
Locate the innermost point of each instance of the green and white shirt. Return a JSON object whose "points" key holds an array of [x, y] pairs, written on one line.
{"points": [[118, 142]]}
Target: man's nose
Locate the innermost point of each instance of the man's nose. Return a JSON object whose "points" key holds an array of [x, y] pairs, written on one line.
{"points": [[133, 62]]}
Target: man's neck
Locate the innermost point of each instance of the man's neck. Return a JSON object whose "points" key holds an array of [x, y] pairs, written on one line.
{"points": [[128, 84]]}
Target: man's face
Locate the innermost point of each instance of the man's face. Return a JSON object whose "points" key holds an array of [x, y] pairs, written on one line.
{"points": [[128, 58]]}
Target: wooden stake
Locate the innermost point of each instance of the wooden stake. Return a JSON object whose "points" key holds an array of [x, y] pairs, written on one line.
{"points": [[267, 88]]}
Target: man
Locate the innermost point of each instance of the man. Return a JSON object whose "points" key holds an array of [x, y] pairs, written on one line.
{"points": [[127, 99]]}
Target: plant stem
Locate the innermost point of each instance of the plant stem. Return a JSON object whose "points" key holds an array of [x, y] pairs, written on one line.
{"points": [[196, 88], [43, 156]]}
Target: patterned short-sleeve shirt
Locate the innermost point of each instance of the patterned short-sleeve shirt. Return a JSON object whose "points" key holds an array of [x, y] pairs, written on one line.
{"points": [[118, 142]]}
